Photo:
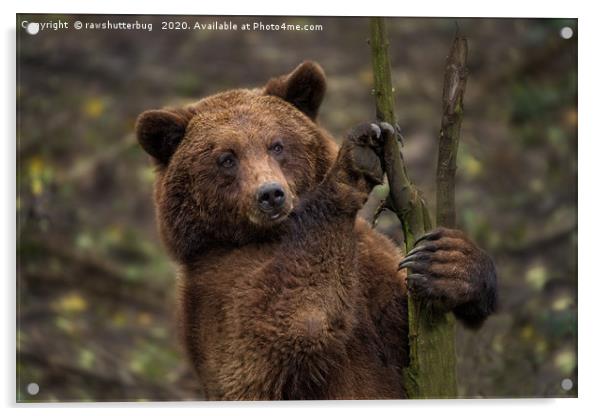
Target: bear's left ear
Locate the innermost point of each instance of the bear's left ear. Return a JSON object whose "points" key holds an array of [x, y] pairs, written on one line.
{"points": [[160, 132], [304, 88]]}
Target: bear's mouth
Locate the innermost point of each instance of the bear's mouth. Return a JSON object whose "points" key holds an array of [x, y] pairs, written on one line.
{"points": [[275, 217], [267, 219]]}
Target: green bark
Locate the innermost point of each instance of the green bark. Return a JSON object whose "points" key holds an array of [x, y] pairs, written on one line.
{"points": [[404, 199], [432, 369], [454, 84]]}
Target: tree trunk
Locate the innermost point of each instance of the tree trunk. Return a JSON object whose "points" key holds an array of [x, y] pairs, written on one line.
{"points": [[432, 369]]}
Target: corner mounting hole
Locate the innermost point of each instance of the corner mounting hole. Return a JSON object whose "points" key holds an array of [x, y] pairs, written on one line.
{"points": [[566, 32], [33, 389], [566, 384], [32, 28]]}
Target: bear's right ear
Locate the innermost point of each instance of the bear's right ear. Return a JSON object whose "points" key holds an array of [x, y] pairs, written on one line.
{"points": [[304, 88], [159, 132]]}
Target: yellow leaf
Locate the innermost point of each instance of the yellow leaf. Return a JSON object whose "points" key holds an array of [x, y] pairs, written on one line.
{"points": [[562, 303], [94, 107], [72, 302], [537, 276], [37, 171], [147, 174], [527, 332], [565, 361], [472, 166], [541, 347], [36, 186], [65, 325], [36, 166], [86, 358], [115, 233]]}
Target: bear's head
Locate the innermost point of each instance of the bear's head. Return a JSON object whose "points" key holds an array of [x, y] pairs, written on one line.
{"points": [[231, 167]]}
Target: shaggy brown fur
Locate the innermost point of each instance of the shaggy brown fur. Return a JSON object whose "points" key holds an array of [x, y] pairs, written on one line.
{"points": [[285, 294]]}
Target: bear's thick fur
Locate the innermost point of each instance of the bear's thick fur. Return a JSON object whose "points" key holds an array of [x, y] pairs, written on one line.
{"points": [[285, 294]]}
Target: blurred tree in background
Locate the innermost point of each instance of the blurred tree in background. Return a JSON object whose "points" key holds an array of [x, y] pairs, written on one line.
{"points": [[95, 288]]}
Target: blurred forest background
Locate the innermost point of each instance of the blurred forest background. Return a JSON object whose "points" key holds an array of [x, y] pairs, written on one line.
{"points": [[95, 288]]}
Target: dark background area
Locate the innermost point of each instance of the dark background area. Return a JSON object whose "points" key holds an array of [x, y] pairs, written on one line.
{"points": [[95, 288]]}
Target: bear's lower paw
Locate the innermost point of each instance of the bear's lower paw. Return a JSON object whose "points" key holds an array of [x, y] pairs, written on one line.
{"points": [[448, 270]]}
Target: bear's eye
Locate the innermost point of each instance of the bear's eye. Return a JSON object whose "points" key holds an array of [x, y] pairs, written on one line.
{"points": [[226, 160], [277, 148]]}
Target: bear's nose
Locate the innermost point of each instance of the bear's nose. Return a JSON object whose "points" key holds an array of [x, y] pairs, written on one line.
{"points": [[270, 197]]}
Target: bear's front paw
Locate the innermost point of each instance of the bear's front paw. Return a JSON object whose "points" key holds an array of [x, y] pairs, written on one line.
{"points": [[362, 152], [450, 272]]}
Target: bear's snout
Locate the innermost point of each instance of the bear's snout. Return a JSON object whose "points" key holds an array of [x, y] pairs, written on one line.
{"points": [[271, 198]]}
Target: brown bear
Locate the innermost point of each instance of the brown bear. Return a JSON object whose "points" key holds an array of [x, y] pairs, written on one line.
{"points": [[285, 293]]}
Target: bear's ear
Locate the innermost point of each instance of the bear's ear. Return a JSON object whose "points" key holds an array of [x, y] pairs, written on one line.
{"points": [[159, 132], [304, 88]]}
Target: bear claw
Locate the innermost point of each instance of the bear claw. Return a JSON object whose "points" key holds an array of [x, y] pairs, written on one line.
{"points": [[416, 281], [389, 129], [433, 235], [376, 130], [414, 259], [423, 247]]}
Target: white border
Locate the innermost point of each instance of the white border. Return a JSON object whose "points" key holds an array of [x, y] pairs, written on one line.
{"points": [[590, 150], [507, 8]]}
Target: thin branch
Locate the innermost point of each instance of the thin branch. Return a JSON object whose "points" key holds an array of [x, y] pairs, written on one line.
{"points": [[454, 85], [382, 206]]}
